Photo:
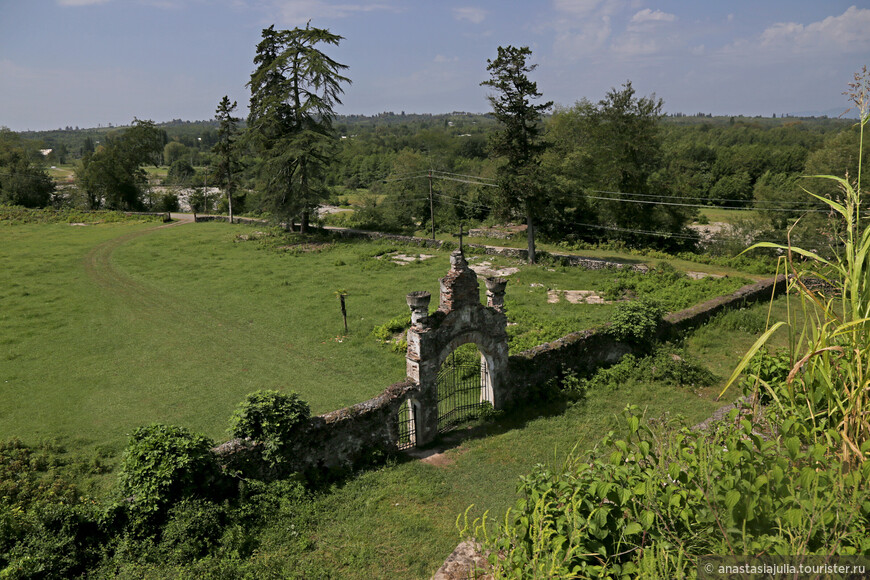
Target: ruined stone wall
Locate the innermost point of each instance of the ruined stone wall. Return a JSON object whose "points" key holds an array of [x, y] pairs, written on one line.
{"points": [[336, 440], [347, 437], [587, 350], [223, 218], [519, 253]]}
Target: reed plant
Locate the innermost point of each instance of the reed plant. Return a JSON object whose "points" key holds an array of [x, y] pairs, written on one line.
{"points": [[828, 387]]}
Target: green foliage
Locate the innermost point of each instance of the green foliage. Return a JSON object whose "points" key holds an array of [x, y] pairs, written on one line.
{"points": [[636, 321], [50, 540], [29, 476], [686, 492], [827, 386], [23, 180], [167, 202], [164, 464], [192, 529], [386, 333], [270, 417], [671, 289], [521, 190], [181, 172], [293, 93], [112, 176], [226, 151], [665, 366], [16, 215], [767, 374], [740, 320]]}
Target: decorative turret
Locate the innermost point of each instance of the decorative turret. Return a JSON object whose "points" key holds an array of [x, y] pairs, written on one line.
{"points": [[459, 286], [418, 302], [495, 289]]}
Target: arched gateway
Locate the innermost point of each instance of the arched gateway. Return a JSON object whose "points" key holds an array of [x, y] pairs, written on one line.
{"points": [[460, 319]]}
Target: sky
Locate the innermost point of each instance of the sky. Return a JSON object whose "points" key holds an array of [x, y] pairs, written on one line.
{"points": [[94, 62]]}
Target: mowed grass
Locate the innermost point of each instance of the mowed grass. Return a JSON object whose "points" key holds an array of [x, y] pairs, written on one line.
{"points": [[109, 327]]}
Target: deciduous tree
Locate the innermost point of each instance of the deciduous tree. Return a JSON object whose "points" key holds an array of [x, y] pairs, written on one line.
{"points": [[23, 180], [113, 176]]}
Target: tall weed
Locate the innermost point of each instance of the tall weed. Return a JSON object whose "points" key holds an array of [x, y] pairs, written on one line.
{"points": [[828, 386]]}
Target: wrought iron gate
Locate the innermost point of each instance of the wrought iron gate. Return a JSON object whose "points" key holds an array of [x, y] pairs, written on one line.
{"points": [[459, 392], [407, 425]]}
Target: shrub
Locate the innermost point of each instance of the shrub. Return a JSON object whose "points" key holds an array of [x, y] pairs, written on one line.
{"points": [[194, 526], [665, 366], [167, 202], [636, 322], [386, 331], [767, 375], [687, 493], [164, 464], [54, 541], [270, 417]]}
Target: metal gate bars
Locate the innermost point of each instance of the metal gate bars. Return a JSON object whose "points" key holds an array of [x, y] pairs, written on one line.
{"points": [[459, 393], [407, 425]]}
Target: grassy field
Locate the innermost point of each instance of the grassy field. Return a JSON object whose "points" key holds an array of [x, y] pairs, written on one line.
{"points": [[108, 327]]}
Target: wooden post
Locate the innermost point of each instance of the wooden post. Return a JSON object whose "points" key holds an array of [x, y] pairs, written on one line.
{"points": [[343, 311]]}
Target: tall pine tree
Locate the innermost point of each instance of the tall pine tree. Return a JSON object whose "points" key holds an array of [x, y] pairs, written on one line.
{"points": [[294, 90], [226, 155], [518, 140]]}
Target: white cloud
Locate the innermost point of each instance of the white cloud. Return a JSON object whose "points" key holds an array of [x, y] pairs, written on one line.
{"points": [[440, 58], [843, 34], [297, 12], [471, 14], [647, 16], [80, 2]]}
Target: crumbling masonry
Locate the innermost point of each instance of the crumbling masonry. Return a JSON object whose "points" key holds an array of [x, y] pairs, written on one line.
{"points": [[460, 319]]}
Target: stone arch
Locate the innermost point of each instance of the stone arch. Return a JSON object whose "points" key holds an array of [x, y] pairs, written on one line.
{"points": [[460, 319], [488, 355]]}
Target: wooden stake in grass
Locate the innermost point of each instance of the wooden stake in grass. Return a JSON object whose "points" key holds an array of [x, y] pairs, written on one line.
{"points": [[341, 295]]}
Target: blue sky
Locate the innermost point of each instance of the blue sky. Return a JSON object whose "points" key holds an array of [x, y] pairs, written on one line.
{"points": [[90, 62]]}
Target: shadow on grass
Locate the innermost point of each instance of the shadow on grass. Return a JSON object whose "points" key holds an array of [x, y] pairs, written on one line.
{"points": [[516, 418]]}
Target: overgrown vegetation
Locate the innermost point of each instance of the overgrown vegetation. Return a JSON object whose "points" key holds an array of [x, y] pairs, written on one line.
{"points": [[651, 504], [827, 390], [17, 215], [791, 479], [272, 418]]}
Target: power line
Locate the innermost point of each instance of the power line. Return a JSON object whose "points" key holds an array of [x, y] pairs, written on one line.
{"points": [[622, 200], [688, 197]]}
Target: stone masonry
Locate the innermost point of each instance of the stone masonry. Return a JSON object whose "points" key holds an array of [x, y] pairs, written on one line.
{"points": [[461, 318]]}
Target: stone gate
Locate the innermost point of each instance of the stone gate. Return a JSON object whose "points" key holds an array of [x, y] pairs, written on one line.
{"points": [[461, 318]]}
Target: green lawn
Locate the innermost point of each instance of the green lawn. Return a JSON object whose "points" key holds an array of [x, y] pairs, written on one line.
{"points": [[113, 326], [105, 328]]}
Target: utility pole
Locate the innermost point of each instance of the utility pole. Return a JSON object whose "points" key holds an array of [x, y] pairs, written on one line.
{"points": [[431, 206]]}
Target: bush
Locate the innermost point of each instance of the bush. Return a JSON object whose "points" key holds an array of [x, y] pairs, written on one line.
{"points": [[167, 202], [164, 464], [683, 492], [636, 322], [54, 541], [270, 417], [193, 528]]}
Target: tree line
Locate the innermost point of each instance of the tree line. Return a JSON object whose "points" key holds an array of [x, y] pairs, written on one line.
{"points": [[617, 169]]}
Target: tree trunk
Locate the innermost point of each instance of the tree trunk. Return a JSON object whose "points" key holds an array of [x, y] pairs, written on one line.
{"points": [[230, 203], [530, 231], [303, 225]]}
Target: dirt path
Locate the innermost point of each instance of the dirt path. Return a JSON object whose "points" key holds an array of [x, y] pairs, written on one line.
{"points": [[98, 266]]}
